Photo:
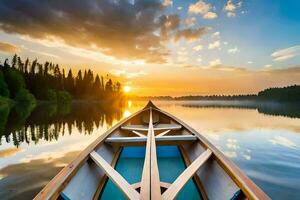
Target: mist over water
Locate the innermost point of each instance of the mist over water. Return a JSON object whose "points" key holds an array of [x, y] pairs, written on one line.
{"points": [[262, 139]]}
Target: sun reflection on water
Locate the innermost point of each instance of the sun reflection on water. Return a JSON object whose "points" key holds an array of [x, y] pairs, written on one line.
{"points": [[126, 113]]}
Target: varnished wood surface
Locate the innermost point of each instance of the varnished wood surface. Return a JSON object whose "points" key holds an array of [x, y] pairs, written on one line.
{"points": [[162, 185], [163, 133], [119, 181], [156, 128], [196, 177], [157, 138], [104, 178], [150, 183], [155, 181], [139, 134], [185, 176]]}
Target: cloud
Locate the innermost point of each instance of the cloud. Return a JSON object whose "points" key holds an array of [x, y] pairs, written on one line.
{"points": [[250, 62], [285, 54], [220, 67], [121, 29], [231, 8], [202, 8], [216, 35], [191, 34], [283, 141], [268, 66], [40, 52], [231, 14], [214, 45], [190, 21], [210, 15], [214, 63], [198, 48], [170, 29], [128, 75], [233, 50], [8, 48], [168, 23], [167, 3]]}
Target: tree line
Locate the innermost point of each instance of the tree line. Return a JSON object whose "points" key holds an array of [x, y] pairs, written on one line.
{"points": [[48, 81], [288, 94]]}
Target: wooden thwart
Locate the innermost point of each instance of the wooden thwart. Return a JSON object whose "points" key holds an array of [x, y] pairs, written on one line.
{"points": [[188, 173], [158, 127], [157, 139], [115, 176]]}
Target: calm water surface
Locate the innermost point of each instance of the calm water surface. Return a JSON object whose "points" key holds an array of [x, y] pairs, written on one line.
{"points": [[264, 141]]}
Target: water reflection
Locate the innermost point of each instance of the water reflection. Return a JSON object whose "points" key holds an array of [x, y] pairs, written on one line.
{"points": [[291, 110], [25, 179], [49, 121], [37, 144]]}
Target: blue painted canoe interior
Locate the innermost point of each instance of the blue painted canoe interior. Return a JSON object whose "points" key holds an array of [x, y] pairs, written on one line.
{"points": [[130, 166]]}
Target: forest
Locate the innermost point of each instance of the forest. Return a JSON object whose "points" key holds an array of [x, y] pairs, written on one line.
{"points": [[288, 94], [26, 80]]}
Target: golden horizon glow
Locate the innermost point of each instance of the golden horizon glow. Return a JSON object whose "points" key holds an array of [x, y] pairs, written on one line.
{"points": [[127, 89]]}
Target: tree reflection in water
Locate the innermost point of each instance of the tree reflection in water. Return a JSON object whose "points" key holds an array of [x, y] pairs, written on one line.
{"points": [[49, 121]]}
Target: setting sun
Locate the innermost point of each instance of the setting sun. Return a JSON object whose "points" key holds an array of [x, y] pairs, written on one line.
{"points": [[127, 89]]}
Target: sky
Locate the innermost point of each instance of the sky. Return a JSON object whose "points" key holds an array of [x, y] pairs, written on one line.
{"points": [[162, 47]]}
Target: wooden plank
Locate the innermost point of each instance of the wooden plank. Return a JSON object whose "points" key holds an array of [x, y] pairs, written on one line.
{"points": [[162, 185], [115, 176], [158, 127], [197, 179], [150, 184], [183, 178], [146, 175], [163, 133], [155, 181], [139, 134], [177, 138], [104, 178], [157, 138]]}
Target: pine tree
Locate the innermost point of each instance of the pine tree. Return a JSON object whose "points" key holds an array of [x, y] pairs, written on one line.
{"points": [[26, 66], [14, 61], [33, 67], [70, 82]]}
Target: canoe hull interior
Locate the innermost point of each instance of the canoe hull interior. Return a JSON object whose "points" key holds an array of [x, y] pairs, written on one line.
{"points": [[214, 175]]}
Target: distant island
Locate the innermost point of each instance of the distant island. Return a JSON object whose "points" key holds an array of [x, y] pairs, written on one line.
{"points": [[288, 94]]}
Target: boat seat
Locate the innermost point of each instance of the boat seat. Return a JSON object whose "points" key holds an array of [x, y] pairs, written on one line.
{"points": [[158, 127], [157, 138]]}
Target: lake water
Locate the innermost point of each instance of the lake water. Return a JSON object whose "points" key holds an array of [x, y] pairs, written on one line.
{"points": [[263, 140]]}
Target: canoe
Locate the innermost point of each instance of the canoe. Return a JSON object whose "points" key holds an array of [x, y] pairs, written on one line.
{"points": [[153, 130]]}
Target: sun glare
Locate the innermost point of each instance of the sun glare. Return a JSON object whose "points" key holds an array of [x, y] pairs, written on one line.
{"points": [[127, 89]]}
